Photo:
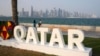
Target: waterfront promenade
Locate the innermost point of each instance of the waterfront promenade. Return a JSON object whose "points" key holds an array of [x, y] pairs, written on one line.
{"points": [[89, 31]]}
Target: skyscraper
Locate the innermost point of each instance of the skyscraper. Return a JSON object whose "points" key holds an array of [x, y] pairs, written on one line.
{"points": [[32, 12], [24, 13], [59, 13], [46, 13]]}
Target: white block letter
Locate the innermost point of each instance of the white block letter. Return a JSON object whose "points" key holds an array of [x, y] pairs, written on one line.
{"points": [[78, 41], [57, 37], [43, 34], [32, 35], [19, 33]]}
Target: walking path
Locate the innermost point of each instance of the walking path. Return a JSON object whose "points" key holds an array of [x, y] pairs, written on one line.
{"points": [[89, 34]]}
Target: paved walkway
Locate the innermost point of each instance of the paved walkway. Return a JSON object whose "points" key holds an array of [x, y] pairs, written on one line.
{"points": [[92, 34], [89, 34]]}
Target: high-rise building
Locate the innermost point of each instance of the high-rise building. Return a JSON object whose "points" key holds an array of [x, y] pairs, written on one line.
{"points": [[24, 13], [32, 12], [59, 13], [55, 12], [41, 13], [64, 14], [46, 13], [51, 15]]}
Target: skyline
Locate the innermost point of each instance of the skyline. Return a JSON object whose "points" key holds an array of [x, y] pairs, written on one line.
{"points": [[54, 13], [82, 6]]}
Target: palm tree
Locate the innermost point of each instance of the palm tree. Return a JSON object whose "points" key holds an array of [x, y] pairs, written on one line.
{"points": [[14, 11]]}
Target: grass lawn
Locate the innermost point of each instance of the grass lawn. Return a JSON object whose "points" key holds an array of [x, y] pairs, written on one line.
{"points": [[94, 43], [9, 51]]}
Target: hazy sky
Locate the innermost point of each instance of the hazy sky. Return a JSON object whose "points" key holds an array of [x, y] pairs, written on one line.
{"points": [[85, 6]]}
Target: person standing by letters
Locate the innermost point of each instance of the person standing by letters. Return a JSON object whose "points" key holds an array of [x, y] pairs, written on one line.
{"points": [[40, 22], [34, 23]]}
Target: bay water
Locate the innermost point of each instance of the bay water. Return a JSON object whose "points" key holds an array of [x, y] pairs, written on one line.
{"points": [[59, 21]]}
